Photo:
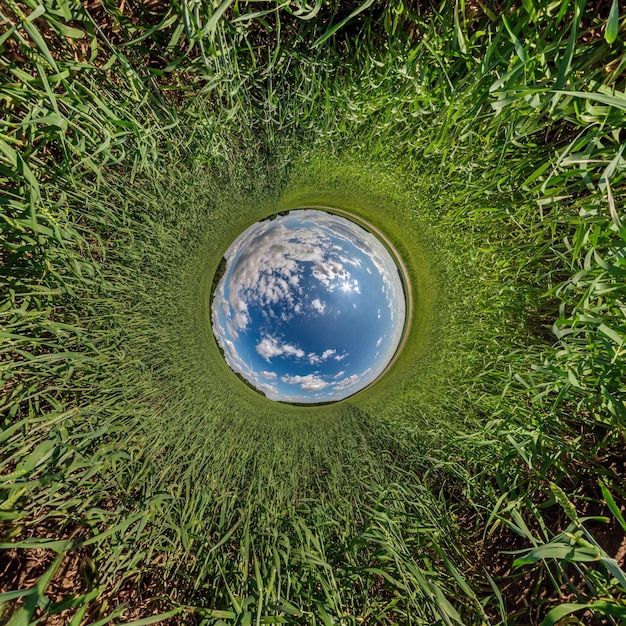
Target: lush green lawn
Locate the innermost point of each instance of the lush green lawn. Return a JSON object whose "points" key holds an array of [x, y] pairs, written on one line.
{"points": [[480, 480]]}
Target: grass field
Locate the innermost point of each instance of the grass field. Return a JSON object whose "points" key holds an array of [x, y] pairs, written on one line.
{"points": [[480, 481]]}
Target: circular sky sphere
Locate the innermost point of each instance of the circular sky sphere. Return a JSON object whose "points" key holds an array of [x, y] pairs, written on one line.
{"points": [[309, 307]]}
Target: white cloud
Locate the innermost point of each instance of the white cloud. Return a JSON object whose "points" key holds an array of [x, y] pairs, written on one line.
{"points": [[314, 359], [380, 340], [269, 375], [264, 268], [341, 357], [318, 305], [270, 347], [233, 358], [310, 382], [271, 390], [327, 271], [353, 380], [347, 382]]}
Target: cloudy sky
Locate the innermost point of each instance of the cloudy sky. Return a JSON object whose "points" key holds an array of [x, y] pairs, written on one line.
{"points": [[310, 308]]}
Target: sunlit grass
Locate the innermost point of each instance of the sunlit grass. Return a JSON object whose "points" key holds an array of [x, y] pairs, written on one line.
{"points": [[488, 146]]}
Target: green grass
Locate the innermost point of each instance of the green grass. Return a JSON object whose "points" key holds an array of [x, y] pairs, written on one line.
{"points": [[486, 142]]}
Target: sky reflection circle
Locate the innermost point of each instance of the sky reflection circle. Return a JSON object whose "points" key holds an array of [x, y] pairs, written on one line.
{"points": [[309, 307]]}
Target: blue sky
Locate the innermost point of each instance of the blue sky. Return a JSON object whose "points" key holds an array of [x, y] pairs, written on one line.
{"points": [[310, 308]]}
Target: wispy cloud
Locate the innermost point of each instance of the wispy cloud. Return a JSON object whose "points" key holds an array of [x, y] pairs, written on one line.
{"points": [[352, 381], [347, 382]]}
